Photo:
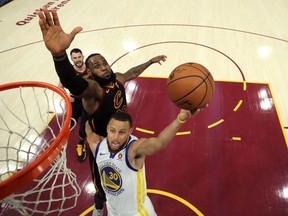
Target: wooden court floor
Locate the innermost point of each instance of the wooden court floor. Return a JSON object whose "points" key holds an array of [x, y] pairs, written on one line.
{"points": [[231, 159]]}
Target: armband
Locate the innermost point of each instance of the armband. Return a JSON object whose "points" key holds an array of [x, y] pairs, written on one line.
{"points": [[179, 120], [60, 58]]}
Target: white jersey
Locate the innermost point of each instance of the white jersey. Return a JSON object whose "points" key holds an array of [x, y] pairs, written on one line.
{"points": [[125, 187]]}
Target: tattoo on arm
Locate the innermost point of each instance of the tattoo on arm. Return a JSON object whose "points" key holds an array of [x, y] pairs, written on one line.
{"points": [[137, 70]]}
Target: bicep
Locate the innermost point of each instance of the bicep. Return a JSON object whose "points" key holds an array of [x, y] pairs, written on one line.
{"points": [[93, 139], [146, 147], [124, 77]]}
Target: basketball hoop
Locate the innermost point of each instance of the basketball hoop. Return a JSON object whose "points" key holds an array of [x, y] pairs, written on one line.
{"points": [[34, 128]]}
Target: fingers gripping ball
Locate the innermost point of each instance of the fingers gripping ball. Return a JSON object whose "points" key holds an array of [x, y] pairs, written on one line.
{"points": [[190, 86]]}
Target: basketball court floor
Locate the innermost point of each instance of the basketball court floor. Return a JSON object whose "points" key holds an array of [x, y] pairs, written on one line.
{"points": [[232, 158]]}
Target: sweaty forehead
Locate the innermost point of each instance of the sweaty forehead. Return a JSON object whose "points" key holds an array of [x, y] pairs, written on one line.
{"points": [[97, 58], [119, 125]]}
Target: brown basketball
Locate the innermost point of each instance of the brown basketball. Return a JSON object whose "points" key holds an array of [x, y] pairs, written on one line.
{"points": [[190, 86]]}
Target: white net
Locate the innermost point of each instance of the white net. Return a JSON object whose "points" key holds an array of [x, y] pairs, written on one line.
{"points": [[32, 120]]}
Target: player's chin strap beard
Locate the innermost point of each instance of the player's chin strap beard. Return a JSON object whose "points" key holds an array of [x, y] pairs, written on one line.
{"points": [[102, 81], [122, 147]]}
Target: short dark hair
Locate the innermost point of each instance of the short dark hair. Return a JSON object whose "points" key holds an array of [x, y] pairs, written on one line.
{"points": [[122, 116], [75, 50], [90, 56]]}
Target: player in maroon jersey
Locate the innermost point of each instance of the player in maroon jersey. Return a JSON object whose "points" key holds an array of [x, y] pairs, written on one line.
{"points": [[101, 96]]}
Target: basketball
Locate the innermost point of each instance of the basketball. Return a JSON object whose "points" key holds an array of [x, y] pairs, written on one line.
{"points": [[190, 86]]}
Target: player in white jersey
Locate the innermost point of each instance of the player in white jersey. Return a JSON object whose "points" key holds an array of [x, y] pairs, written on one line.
{"points": [[120, 158], [119, 180]]}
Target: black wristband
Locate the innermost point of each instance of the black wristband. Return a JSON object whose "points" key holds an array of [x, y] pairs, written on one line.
{"points": [[60, 58]]}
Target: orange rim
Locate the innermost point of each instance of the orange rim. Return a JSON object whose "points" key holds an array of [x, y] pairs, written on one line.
{"points": [[40, 164]]}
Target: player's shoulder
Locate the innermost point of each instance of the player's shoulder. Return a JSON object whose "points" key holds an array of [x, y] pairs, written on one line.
{"points": [[118, 74], [132, 138], [137, 142], [120, 77]]}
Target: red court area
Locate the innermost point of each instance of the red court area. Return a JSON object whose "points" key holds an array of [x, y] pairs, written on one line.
{"points": [[233, 162], [231, 159]]}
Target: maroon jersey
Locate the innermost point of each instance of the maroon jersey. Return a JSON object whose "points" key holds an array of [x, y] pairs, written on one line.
{"points": [[114, 100]]}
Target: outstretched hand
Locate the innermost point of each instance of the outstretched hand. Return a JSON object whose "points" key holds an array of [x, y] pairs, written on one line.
{"points": [[56, 40], [184, 115], [195, 112], [158, 59]]}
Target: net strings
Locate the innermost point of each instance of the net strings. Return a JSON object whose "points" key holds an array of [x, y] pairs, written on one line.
{"points": [[55, 190]]}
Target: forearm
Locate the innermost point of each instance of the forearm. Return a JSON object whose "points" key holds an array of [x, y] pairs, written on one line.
{"points": [[167, 134], [155, 144], [67, 76], [137, 70]]}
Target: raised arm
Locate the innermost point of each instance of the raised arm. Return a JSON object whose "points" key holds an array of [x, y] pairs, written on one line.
{"points": [[55, 39], [152, 145], [144, 147], [92, 138], [137, 70]]}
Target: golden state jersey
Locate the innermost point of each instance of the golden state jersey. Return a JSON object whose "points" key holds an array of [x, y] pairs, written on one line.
{"points": [[124, 186]]}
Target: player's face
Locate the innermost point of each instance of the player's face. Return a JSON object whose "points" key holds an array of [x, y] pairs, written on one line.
{"points": [[100, 67], [118, 134], [78, 59]]}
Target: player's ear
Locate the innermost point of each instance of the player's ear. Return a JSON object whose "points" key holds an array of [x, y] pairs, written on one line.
{"points": [[131, 130]]}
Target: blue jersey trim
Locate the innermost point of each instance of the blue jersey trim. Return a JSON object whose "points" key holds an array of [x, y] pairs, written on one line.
{"points": [[97, 149], [126, 155]]}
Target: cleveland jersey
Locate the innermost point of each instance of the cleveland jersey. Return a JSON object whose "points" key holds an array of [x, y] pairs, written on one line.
{"points": [[124, 186], [114, 100]]}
